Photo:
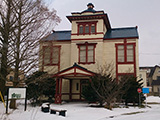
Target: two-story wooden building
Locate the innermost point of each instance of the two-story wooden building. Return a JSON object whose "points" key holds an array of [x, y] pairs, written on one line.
{"points": [[73, 56]]}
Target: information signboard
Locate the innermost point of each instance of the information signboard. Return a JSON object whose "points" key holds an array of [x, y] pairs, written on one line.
{"points": [[17, 93], [145, 90]]}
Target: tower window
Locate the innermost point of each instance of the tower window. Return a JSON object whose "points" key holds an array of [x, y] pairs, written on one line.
{"points": [[87, 28]]}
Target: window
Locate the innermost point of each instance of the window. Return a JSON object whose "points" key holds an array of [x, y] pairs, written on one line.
{"points": [[93, 29], [129, 53], [11, 78], [125, 53], [158, 77], [87, 53], [51, 55], [87, 27], [77, 86], [81, 29], [120, 53]]}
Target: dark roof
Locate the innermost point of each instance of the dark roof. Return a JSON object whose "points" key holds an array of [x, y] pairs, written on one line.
{"points": [[156, 82], [146, 67], [153, 70], [89, 10], [59, 35], [90, 4], [130, 32]]}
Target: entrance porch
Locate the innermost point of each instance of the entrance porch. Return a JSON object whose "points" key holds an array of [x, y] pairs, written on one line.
{"points": [[70, 83]]}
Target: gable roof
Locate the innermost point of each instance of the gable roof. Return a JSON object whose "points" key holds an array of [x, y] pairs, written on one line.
{"points": [[75, 71], [129, 32], [153, 70]]}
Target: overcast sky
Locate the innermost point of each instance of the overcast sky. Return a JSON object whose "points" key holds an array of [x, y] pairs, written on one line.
{"points": [[122, 13]]}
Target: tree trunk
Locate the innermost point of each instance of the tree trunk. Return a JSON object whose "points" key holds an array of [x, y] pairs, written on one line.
{"points": [[108, 106]]}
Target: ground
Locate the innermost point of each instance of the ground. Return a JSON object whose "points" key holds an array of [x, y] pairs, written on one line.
{"points": [[82, 111]]}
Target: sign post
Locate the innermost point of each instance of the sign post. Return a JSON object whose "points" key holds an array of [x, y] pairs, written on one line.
{"points": [[145, 91], [139, 90], [16, 93]]}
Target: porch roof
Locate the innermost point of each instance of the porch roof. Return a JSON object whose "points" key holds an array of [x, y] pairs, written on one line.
{"points": [[75, 72]]}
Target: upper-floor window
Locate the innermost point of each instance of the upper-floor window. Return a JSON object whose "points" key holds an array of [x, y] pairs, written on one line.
{"points": [[125, 53], [51, 55], [11, 78], [87, 27], [93, 28], [81, 29], [87, 53]]}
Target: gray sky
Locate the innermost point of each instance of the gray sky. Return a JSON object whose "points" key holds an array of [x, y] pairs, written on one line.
{"points": [[122, 13]]}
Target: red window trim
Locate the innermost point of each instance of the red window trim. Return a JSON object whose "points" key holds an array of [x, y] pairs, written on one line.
{"points": [[134, 59], [86, 44], [84, 24], [125, 52], [51, 53]]}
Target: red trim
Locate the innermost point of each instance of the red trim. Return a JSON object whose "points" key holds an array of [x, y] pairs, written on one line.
{"points": [[89, 22], [88, 39], [125, 52], [51, 53], [57, 41], [60, 91], [58, 74], [74, 71], [73, 75], [125, 57], [134, 53], [116, 62], [89, 17], [90, 33], [120, 38], [84, 24], [86, 44], [57, 86]]}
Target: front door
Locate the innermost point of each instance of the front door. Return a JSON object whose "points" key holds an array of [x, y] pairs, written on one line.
{"points": [[75, 90]]}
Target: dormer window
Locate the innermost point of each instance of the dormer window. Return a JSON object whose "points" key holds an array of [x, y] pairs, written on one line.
{"points": [[85, 28]]}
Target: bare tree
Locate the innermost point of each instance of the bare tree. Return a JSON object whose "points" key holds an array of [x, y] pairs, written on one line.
{"points": [[32, 20], [106, 86], [7, 22]]}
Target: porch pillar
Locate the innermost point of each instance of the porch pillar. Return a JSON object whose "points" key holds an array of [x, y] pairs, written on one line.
{"points": [[58, 91]]}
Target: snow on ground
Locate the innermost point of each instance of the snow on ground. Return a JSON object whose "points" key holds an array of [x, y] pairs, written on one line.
{"points": [[82, 111], [153, 99]]}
